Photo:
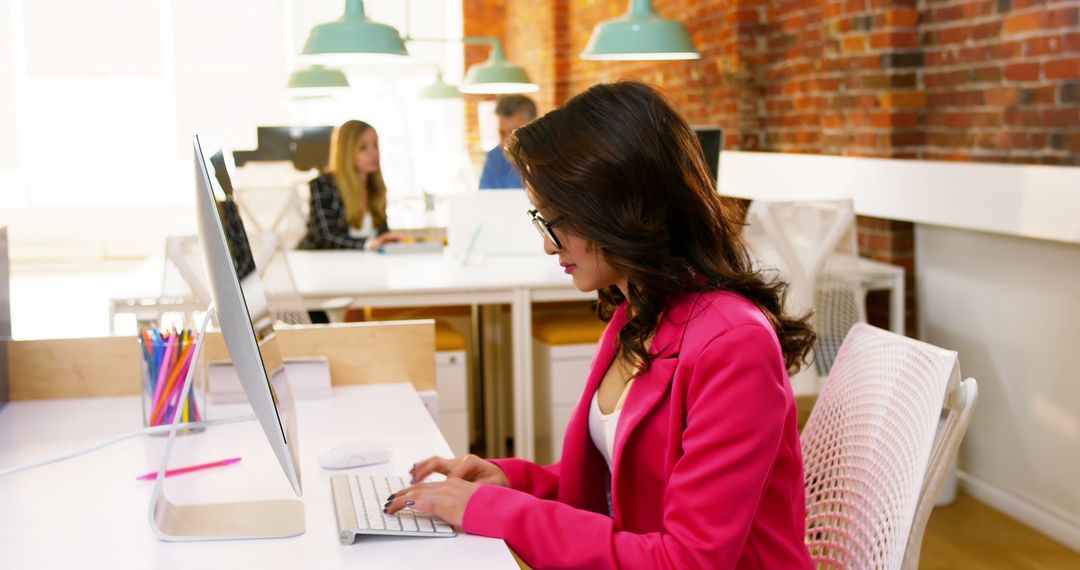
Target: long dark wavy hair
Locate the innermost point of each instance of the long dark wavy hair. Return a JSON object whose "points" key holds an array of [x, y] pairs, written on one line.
{"points": [[623, 170]]}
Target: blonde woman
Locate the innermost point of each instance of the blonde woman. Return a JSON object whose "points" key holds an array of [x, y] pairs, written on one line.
{"points": [[348, 203]]}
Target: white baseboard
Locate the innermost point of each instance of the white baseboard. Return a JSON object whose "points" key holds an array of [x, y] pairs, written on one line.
{"points": [[1047, 519]]}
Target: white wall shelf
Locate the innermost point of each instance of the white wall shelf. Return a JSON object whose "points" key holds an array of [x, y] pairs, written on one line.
{"points": [[1033, 201]]}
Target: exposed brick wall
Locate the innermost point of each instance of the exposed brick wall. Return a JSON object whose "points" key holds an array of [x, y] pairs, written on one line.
{"points": [[842, 77], [892, 242], [720, 88], [1002, 80], [988, 80], [532, 38], [481, 18], [991, 80]]}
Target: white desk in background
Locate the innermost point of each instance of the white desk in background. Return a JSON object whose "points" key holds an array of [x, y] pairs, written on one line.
{"points": [[434, 279], [89, 512], [441, 279]]}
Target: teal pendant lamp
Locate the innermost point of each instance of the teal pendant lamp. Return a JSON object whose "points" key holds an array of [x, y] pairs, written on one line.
{"points": [[640, 35], [317, 81], [496, 76], [440, 89], [353, 39]]}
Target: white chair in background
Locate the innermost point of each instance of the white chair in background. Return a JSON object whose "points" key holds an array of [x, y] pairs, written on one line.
{"points": [[873, 465], [271, 258], [812, 246], [272, 198], [280, 210], [277, 279], [184, 275]]}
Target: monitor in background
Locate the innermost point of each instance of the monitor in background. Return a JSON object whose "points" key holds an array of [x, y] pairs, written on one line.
{"points": [[307, 147], [491, 223], [5, 319], [246, 325], [712, 142]]}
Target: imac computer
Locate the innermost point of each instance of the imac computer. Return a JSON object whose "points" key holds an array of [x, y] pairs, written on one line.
{"points": [[247, 327], [490, 223], [306, 147], [712, 142]]}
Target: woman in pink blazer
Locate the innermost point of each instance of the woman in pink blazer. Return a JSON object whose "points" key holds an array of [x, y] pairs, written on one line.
{"points": [[683, 451]]}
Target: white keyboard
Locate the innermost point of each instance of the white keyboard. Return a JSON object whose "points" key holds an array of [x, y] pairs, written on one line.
{"points": [[359, 500], [411, 247]]}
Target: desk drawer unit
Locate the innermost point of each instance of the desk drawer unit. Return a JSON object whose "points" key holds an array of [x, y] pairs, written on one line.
{"points": [[451, 380], [560, 375]]}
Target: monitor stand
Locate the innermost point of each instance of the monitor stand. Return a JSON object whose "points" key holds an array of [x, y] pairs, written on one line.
{"points": [[172, 522]]}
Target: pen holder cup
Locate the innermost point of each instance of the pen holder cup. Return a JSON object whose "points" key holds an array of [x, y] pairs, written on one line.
{"points": [[161, 395]]}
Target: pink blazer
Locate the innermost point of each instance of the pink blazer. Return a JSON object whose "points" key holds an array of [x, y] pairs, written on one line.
{"points": [[707, 465]]}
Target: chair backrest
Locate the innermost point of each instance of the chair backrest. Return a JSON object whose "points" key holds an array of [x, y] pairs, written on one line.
{"points": [[812, 246], [184, 274], [959, 405], [272, 198], [282, 296], [873, 465]]}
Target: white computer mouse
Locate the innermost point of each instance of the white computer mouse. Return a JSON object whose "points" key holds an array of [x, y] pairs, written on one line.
{"points": [[356, 454]]}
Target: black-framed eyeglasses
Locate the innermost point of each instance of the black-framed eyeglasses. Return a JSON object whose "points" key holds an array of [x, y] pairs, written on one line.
{"points": [[544, 227]]}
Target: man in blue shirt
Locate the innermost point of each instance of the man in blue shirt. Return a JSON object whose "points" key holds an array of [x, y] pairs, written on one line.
{"points": [[513, 111]]}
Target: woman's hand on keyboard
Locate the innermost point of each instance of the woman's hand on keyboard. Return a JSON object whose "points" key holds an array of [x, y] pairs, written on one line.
{"points": [[467, 467], [445, 499]]}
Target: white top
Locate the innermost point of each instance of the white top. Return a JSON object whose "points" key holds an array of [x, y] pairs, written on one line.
{"points": [[602, 428], [366, 229]]}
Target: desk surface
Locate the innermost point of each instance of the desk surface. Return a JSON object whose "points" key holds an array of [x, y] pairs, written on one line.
{"points": [[356, 273], [91, 509]]}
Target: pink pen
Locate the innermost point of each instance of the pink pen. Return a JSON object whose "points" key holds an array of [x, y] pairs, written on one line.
{"points": [[181, 470]]}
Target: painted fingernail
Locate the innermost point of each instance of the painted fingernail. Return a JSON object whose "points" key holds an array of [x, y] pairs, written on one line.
{"points": [[410, 503], [386, 511], [391, 497]]}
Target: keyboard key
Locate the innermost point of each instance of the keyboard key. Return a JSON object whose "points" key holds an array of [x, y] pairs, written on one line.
{"points": [[369, 494], [408, 522], [442, 527]]}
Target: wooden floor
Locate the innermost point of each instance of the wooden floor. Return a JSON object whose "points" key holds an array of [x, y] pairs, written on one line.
{"points": [[969, 535]]}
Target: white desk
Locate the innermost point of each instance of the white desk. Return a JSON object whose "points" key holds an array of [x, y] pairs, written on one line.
{"points": [[90, 512], [435, 279], [375, 280]]}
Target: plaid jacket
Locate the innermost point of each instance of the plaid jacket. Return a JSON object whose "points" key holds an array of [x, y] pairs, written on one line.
{"points": [[326, 225]]}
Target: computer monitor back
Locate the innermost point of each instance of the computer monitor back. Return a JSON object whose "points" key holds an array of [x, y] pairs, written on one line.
{"points": [[5, 319], [491, 223]]}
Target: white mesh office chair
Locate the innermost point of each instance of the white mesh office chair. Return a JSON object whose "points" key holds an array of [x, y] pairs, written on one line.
{"points": [[183, 274], [812, 246], [282, 296], [873, 466], [272, 198], [185, 277]]}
